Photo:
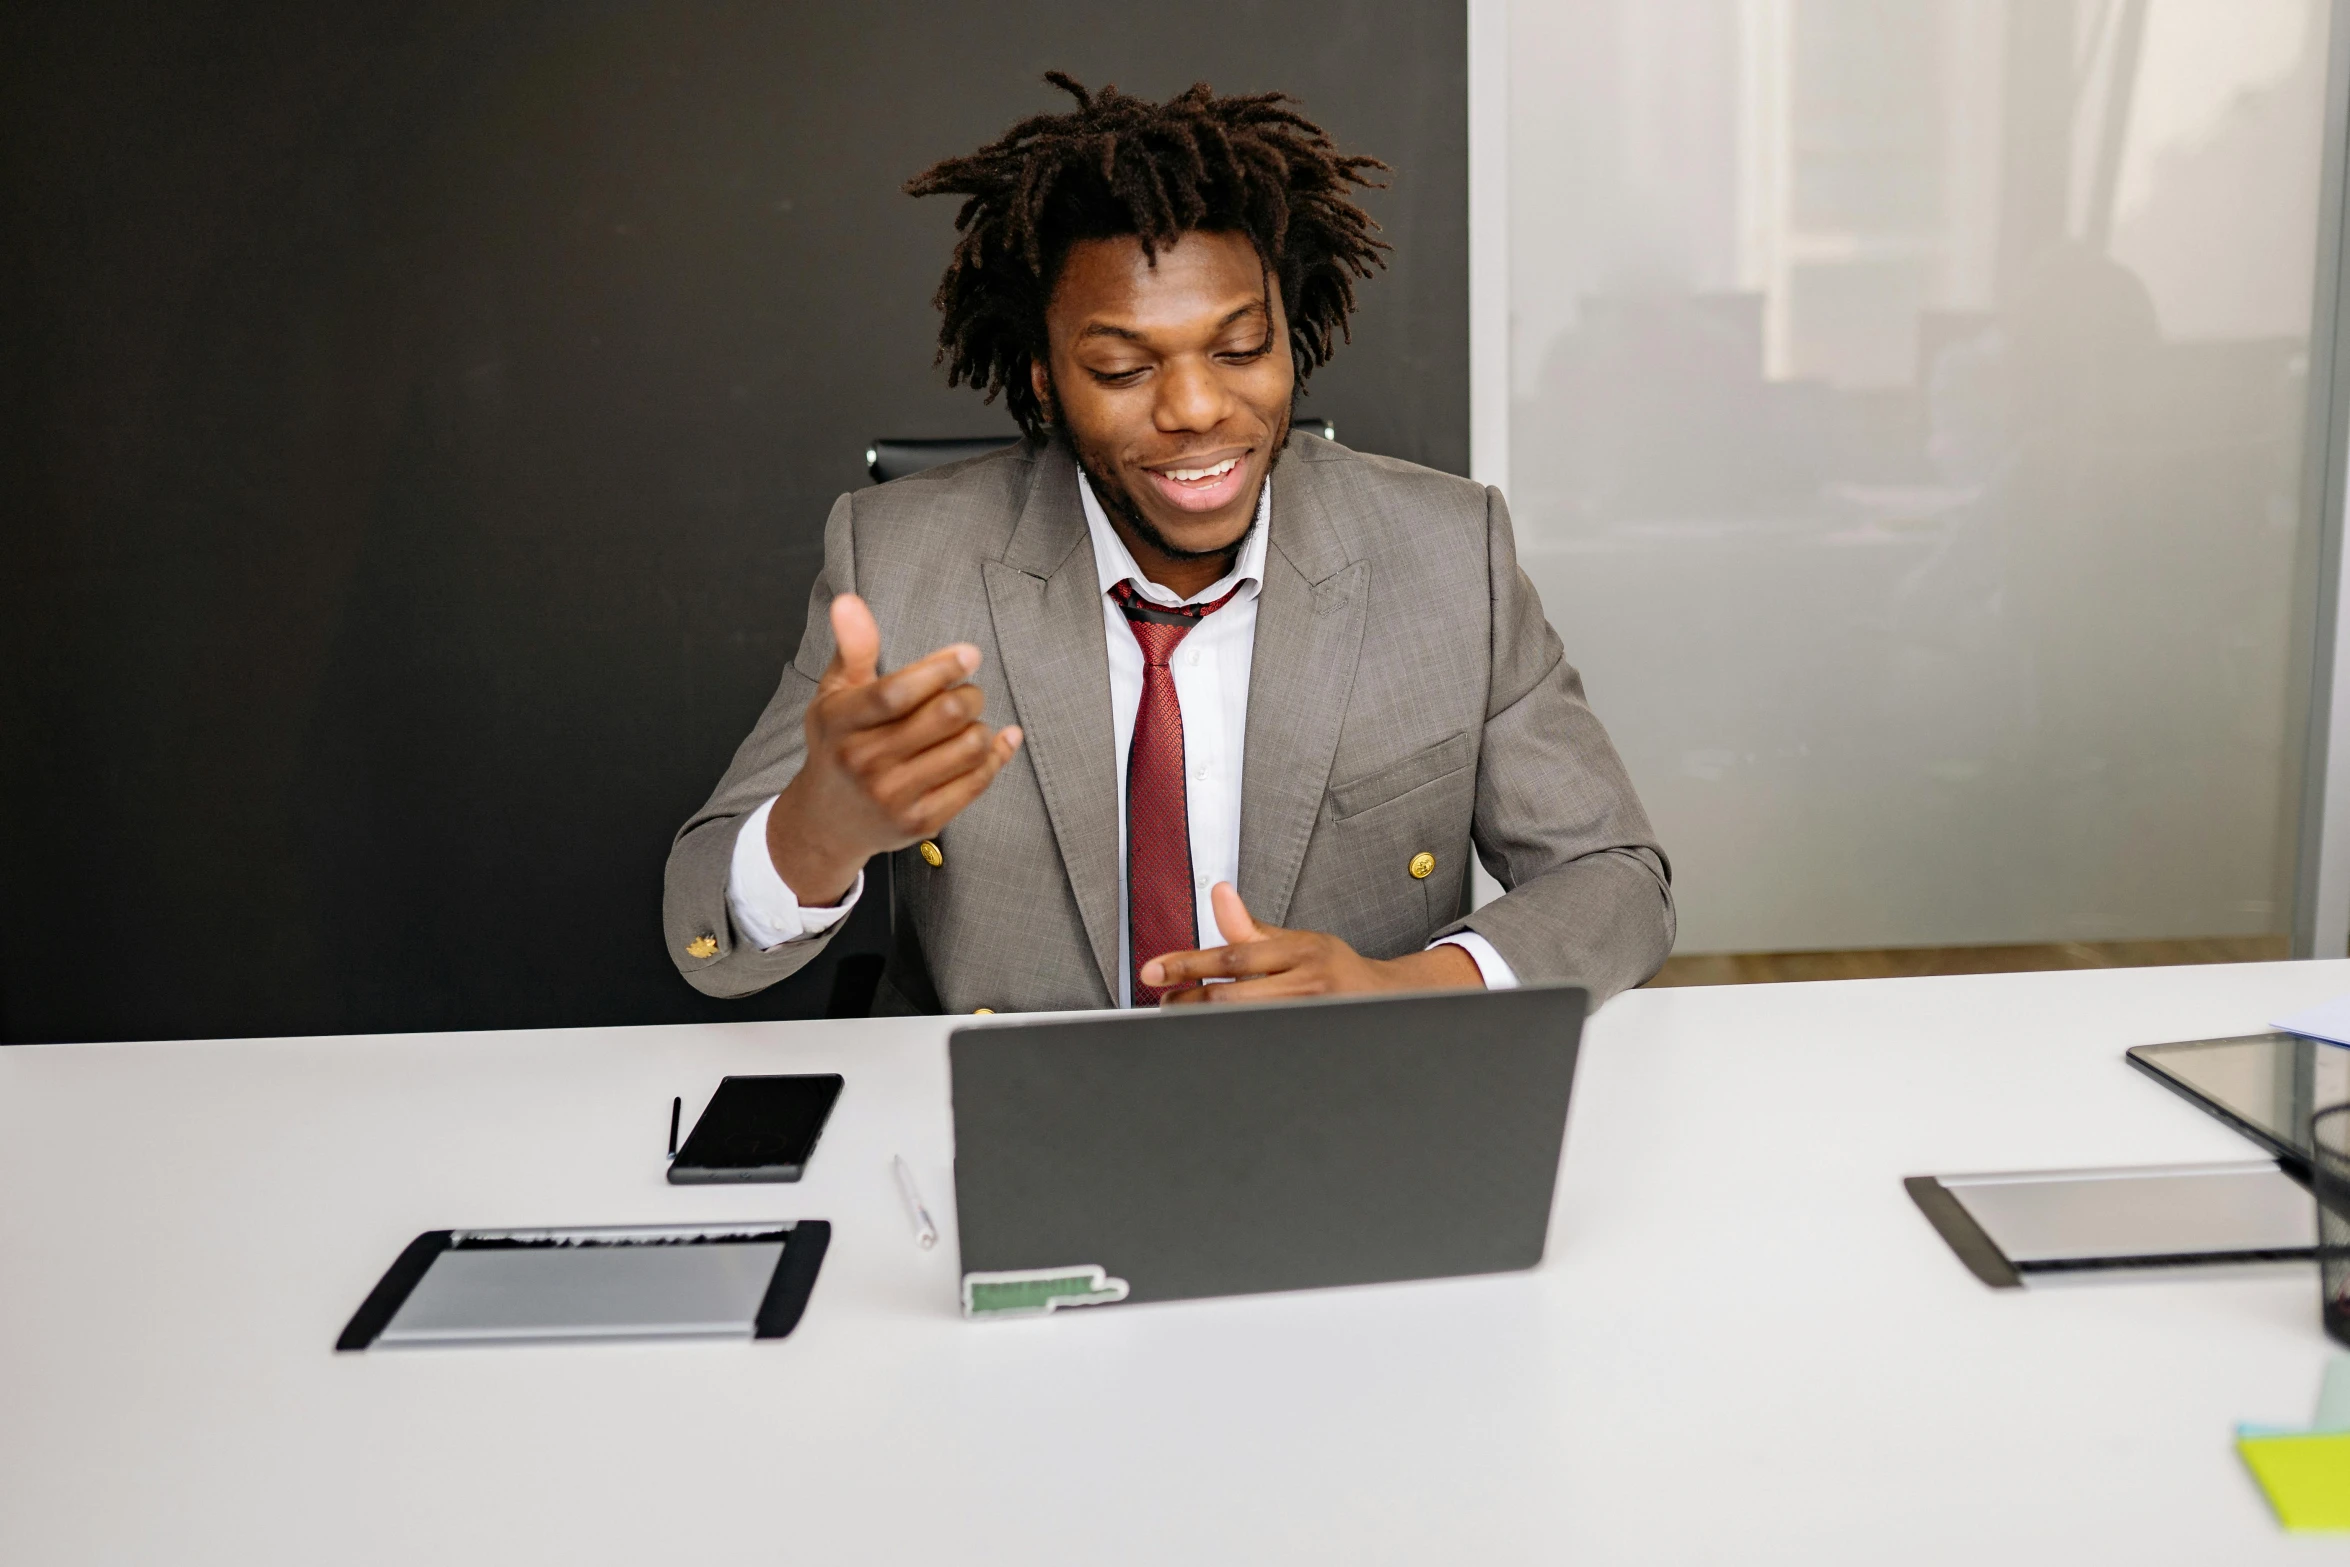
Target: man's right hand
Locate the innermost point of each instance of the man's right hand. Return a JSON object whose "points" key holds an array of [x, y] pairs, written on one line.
{"points": [[891, 759]]}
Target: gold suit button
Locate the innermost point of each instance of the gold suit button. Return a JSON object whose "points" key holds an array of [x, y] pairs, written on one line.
{"points": [[702, 946], [1422, 864], [930, 855], [983, 1012]]}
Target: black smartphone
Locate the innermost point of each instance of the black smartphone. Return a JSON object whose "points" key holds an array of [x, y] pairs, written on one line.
{"points": [[756, 1129]]}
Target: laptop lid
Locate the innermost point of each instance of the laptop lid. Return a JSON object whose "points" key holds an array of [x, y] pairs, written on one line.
{"points": [[1231, 1150]]}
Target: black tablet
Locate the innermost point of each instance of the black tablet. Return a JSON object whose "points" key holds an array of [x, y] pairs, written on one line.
{"points": [[2053, 1226], [610, 1282], [2266, 1086]]}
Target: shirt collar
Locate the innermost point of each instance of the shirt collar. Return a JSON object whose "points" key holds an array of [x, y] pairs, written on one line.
{"points": [[1113, 563]]}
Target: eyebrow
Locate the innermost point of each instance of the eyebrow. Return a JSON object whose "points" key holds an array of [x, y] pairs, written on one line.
{"points": [[1127, 335]]}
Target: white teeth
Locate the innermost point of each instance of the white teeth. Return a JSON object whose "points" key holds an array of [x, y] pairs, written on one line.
{"points": [[1194, 475]]}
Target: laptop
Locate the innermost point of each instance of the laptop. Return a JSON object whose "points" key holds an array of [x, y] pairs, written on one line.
{"points": [[1232, 1150]]}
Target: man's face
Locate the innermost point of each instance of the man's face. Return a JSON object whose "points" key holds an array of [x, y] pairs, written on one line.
{"points": [[1173, 382]]}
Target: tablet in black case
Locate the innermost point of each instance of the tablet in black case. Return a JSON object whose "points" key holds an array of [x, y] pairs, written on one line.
{"points": [[617, 1282]]}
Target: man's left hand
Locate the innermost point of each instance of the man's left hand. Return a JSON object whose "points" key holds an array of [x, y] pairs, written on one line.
{"points": [[1267, 963]]}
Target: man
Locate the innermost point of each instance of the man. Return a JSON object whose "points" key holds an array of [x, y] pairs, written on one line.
{"points": [[1265, 692]]}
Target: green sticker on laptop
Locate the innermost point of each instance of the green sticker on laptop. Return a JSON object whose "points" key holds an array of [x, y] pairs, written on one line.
{"points": [[1031, 1292]]}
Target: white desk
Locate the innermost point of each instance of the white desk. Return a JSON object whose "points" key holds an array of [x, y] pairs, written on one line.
{"points": [[1746, 1344]]}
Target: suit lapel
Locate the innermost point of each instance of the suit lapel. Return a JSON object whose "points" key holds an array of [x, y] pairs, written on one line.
{"points": [[1309, 638], [1046, 604]]}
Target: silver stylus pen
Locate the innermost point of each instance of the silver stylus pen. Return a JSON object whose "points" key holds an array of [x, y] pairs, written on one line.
{"points": [[925, 1232]]}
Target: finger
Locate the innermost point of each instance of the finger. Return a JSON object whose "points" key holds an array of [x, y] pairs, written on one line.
{"points": [[944, 803], [906, 783], [856, 644], [945, 715], [895, 695], [1232, 916], [1269, 987], [1266, 955], [1173, 968], [1178, 968]]}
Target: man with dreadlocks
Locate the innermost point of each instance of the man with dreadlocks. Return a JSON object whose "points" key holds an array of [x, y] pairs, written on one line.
{"points": [[1265, 688]]}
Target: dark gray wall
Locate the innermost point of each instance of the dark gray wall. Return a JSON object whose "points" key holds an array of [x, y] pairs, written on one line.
{"points": [[418, 422]]}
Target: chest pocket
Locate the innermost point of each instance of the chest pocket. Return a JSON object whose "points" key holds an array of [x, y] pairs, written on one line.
{"points": [[1389, 784], [1378, 824]]}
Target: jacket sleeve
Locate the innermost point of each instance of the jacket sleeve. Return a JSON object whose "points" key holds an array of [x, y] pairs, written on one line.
{"points": [[1588, 890], [695, 922]]}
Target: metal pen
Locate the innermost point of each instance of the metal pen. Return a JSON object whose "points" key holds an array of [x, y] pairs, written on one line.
{"points": [[925, 1232]]}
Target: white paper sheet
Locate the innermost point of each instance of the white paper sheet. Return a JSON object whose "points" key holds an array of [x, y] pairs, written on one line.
{"points": [[2329, 1020]]}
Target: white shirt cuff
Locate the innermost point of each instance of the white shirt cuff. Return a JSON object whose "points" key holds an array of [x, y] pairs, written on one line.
{"points": [[1496, 968], [766, 911]]}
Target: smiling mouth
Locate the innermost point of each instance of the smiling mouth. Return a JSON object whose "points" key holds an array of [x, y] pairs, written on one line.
{"points": [[1201, 486], [1194, 475]]}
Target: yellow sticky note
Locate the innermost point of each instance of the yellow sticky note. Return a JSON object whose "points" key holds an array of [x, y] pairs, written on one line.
{"points": [[2307, 1477]]}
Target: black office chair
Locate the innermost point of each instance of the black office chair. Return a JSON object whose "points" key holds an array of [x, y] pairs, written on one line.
{"points": [[888, 459]]}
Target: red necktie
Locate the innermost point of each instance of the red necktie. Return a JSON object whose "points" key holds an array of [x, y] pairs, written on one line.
{"points": [[1160, 906]]}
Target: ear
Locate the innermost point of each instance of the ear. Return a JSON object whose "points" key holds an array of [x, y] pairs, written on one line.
{"points": [[1040, 381], [1277, 329]]}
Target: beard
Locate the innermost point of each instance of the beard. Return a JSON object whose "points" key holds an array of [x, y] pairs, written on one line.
{"points": [[1120, 503]]}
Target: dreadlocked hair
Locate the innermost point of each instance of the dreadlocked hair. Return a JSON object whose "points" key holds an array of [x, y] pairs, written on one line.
{"points": [[1118, 165]]}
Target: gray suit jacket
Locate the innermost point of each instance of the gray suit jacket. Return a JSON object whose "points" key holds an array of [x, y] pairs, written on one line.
{"points": [[1406, 695]]}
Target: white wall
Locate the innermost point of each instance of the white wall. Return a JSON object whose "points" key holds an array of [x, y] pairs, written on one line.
{"points": [[1911, 466]]}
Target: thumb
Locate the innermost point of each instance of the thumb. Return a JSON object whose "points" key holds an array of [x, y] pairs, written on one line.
{"points": [[856, 643], [1232, 916]]}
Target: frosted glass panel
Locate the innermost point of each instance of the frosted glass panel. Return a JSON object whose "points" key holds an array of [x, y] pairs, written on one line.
{"points": [[1906, 422]]}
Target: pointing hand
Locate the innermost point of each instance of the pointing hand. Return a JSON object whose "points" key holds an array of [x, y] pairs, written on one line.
{"points": [[891, 758]]}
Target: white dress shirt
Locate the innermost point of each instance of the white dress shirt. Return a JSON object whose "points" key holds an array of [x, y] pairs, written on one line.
{"points": [[1211, 670]]}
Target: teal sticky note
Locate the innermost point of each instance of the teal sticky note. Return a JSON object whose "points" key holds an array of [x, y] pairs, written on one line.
{"points": [[2333, 1397]]}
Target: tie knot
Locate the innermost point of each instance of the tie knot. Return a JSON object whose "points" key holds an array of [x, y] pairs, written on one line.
{"points": [[1159, 628]]}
